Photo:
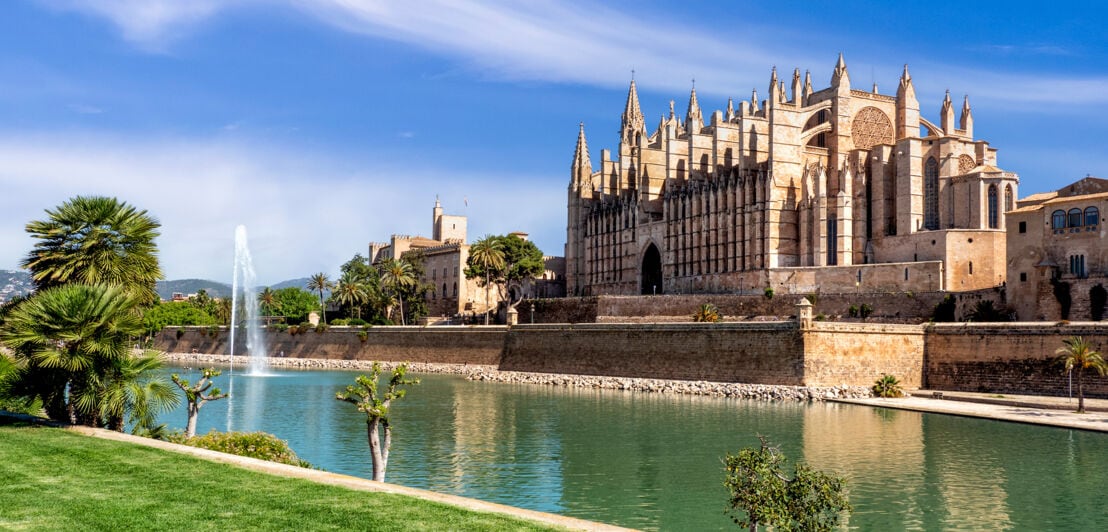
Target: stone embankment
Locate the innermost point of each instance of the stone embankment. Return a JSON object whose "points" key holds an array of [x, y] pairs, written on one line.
{"points": [[763, 392]]}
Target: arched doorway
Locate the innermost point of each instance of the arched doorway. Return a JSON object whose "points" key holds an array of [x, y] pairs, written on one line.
{"points": [[651, 271]]}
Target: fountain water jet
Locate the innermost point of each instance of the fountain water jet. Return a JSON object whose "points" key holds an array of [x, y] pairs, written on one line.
{"points": [[244, 306]]}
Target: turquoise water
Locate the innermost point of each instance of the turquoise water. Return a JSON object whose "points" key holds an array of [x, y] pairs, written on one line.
{"points": [[653, 461]]}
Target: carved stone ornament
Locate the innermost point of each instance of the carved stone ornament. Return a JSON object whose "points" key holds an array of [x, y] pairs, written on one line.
{"points": [[871, 127]]}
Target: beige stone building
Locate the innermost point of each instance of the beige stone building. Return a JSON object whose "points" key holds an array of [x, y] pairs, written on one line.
{"points": [[444, 262], [1058, 253], [838, 189]]}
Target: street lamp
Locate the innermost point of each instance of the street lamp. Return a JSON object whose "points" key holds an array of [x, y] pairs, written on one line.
{"points": [[532, 312]]}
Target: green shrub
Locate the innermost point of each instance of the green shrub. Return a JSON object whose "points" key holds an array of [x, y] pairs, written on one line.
{"points": [[305, 325], [259, 445], [363, 336], [357, 322], [865, 311], [321, 328], [279, 327], [340, 322], [887, 386], [213, 331], [821, 317], [852, 311], [768, 292], [944, 311], [294, 330]]}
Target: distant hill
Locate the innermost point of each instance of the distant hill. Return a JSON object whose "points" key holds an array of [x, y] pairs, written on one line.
{"points": [[166, 289], [14, 283], [298, 283], [214, 288]]}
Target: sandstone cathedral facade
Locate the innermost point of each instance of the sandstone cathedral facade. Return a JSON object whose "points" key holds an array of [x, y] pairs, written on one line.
{"points": [[838, 189]]}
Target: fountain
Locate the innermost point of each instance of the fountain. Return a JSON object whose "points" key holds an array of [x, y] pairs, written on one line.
{"points": [[244, 307]]}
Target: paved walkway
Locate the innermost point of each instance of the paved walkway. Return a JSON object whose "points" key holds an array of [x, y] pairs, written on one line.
{"points": [[1032, 409]]}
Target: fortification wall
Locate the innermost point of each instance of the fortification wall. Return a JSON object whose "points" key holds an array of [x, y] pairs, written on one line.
{"points": [[439, 345], [1007, 357], [765, 353], [858, 354]]}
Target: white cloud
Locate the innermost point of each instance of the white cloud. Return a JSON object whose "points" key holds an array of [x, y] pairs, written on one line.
{"points": [[306, 212], [150, 24]]}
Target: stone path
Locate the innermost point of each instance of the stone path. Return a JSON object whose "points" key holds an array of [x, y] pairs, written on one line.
{"points": [[1032, 409]]}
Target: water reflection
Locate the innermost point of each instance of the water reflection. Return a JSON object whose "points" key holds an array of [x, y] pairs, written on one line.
{"points": [[652, 461]]}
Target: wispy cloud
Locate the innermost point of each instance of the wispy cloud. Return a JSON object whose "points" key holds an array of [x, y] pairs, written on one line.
{"points": [[306, 212], [150, 24]]}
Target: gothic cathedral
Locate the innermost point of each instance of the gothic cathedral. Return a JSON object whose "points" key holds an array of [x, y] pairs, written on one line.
{"points": [[836, 190]]}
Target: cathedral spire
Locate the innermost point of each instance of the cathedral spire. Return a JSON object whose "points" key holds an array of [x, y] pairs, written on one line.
{"points": [[947, 114], [632, 119], [754, 100], [582, 166], [807, 86], [797, 88], [907, 107], [906, 89], [840, 77], [774, 89], [694, 120], [966, 120], [730, 110]]}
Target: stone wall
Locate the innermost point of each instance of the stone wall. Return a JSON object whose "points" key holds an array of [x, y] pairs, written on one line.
{"points": [[857, 354], [1007, 358], [766, 353], [440, 345]]}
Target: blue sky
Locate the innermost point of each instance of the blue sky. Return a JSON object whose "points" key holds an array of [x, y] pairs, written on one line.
{"points": [[323, 125]]}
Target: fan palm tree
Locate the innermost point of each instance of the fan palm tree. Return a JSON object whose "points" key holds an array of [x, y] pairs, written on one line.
{"points": [[96, 240], [1079, 353], [72, 340], [488, 254], [397, 275], [353, 291], [320, 282], [135, 392], [269, 302]]}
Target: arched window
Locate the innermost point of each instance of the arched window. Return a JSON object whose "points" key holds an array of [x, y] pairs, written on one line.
{"points": [[444, 292], [931, 194], [994, 218], [1092, 216], [1008, 199], [1058, 220], [1074, 218], [455, 289]]}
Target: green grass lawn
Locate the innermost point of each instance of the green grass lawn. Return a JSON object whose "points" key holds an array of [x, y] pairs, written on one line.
{"points": [[51, 479]]}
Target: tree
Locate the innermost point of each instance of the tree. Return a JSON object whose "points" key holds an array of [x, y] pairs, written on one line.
{"points": [[365, 396], [196, 396], [267, 299], [320, 282], [486, 259], [160, 315], [72, 340], [96, 240], [1079, 353], [351, 291], [810, 500], [397, 275], [707, 313], [295, 303], [136, 393]]}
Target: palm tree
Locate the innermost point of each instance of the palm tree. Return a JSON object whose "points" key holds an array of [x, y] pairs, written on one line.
{"points": [[487, 252], [96, 240], [73, 340], [320, 282], [353, 291], [269, 303], [135, 388], [397, 275], [1079, 353]]}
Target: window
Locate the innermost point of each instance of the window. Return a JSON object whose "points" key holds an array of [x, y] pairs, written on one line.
{"points": [[444, 292], [971, 267], [905, 274], [455, 289], [1077, 266], [1092, 216], [1023, 227], [994, 218], [1023, 277], [1073, 218], [1008, 199], [1058, 220], [931, 194]]}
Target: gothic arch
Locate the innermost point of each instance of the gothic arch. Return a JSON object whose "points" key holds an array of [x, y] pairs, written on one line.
{"points": [[931, 194], [651, 270]]}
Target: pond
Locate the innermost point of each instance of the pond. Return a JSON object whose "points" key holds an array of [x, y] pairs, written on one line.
{"points": [[653, 461]]}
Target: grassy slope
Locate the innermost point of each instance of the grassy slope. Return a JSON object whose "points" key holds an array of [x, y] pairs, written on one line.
{"points": [[52, 480]]}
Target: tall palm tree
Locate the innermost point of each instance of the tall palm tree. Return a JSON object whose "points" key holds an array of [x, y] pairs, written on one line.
{"points": [[1079, 353], [320, 282], [269, 302], [489, 254], [397, 275], [352, 290], [96, 240], [72, 339]]}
